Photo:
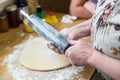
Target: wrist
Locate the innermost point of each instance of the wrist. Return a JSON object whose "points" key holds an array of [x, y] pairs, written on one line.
{"points": [[88, 31], [95, 58]]}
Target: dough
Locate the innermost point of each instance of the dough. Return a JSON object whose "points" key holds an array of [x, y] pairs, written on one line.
{"points": [[37, 56]]}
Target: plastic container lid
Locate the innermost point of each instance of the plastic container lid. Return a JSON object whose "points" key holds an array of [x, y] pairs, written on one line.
{"points": [[21, 3], [11, 8], [3, 14]]}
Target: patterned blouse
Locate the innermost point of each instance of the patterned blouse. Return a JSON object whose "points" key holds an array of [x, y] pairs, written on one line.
{"points": [[106, 28]]}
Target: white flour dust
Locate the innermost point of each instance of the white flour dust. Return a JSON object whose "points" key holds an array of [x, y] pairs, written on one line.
{"points": [[19, 72]]}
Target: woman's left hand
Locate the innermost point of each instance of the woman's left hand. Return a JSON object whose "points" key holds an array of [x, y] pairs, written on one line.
{"points": [[79, 52]]}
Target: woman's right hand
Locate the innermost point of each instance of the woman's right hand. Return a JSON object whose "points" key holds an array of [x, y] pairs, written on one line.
{"points": [[51, 46], [78, 31], [75, 33], [70, 33]]}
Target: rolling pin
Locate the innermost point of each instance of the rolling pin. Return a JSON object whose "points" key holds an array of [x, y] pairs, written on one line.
{"points": [[47, 31]]}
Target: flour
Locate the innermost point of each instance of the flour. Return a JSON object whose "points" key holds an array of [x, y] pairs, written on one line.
{"points": [[19, 72]]}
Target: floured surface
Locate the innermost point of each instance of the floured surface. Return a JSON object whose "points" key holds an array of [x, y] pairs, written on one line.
{"points": [[19, 72], [37, 56]]}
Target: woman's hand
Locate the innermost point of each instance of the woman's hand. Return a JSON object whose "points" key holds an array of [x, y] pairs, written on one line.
{"points": [[76, 33], [71, 33], [79, 52]]}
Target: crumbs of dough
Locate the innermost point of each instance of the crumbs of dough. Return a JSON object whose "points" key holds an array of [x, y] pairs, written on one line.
{"points": [[19, 72]]}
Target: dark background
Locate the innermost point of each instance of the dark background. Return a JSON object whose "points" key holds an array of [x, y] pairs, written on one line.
{"points": [[55, 5]]}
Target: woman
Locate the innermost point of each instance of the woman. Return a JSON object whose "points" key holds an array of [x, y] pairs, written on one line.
{"points": [[104, 51], [82, 8]]}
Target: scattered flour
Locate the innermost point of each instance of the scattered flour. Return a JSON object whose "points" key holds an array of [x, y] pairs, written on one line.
{"points": [[19, 72]]}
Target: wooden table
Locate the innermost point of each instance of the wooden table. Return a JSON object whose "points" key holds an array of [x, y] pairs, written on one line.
{"points": [[18, 35]]}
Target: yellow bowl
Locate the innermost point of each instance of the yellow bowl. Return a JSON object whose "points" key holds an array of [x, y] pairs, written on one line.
{"points": [[27, 27]]}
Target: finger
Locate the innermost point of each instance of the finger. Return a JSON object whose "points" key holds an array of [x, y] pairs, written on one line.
{"points": [[52, 47], [64, 32], [58, 51], [72, 42], [67, 52], [49, 45]]}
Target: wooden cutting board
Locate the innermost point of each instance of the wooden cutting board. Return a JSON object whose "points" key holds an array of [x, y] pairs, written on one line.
{"points": [[16, 36]]}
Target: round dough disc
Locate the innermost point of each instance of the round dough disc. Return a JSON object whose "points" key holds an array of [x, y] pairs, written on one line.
{"points": [[37, 56]]}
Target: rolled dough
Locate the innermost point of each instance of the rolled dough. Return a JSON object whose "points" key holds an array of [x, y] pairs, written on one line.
{"points": [[37, 56]]}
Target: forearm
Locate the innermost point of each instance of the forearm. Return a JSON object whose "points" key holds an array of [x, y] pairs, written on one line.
{"points": [[106, 64], [77, 9], [80, 12], [85, 23], [84, 27]]}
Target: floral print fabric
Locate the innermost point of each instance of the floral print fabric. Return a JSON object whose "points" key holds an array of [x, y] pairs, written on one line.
{"points": [[106, 27]]}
